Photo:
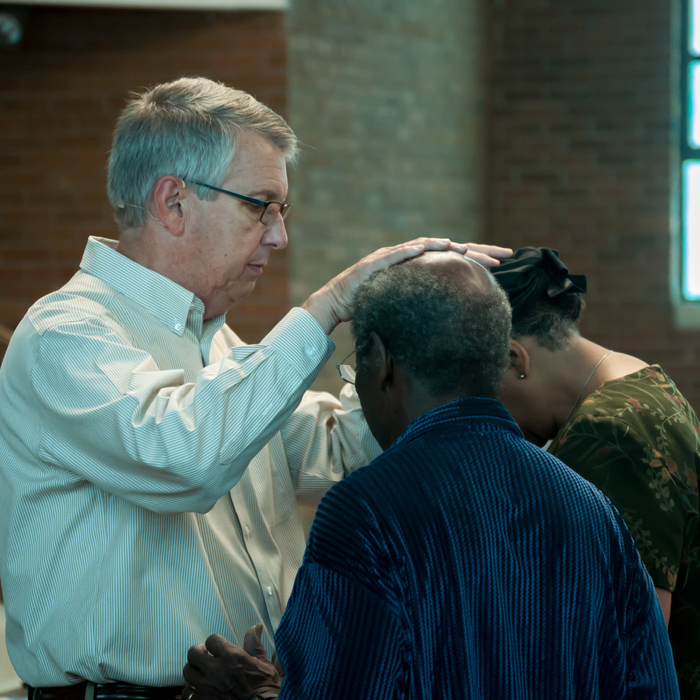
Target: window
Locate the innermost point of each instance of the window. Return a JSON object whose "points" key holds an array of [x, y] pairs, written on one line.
{"points": [[690, 154]]}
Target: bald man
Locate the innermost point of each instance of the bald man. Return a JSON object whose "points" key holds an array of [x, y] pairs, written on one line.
{"points": [[463, 562]]}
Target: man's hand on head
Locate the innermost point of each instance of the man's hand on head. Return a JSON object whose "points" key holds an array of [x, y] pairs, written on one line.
{"points": [[219, 670], [333, 303], [487, 255]]}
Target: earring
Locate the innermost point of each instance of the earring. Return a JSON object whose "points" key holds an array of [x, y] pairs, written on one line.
{"points": [[522, 376]]}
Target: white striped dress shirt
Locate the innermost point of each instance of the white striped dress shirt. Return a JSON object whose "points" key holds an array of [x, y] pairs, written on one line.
{"points": [[150, 464]]}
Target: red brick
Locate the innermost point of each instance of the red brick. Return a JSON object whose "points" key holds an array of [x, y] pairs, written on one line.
{"points": [[60, 95]]}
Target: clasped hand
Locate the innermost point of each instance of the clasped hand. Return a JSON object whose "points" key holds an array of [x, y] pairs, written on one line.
{"points": [[219, 670]]}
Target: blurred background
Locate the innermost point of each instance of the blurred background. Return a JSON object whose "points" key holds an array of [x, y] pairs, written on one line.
{"points": [[515, 122], [518, 123], [388, 99]]}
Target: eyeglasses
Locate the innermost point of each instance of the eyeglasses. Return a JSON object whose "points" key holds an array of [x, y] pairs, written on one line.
{"points": [[347, 372], [270, 210]]}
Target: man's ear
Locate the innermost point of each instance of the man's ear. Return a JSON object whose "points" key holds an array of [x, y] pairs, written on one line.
{"points": [[385, 363], [519, 359], [169, 194]]}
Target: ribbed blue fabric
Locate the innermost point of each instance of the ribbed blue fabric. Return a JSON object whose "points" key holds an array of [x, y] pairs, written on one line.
{"points": [[465, 562]]}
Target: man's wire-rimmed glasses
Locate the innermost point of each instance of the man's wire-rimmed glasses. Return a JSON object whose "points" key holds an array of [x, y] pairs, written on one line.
{"points": [[347, 372], [270, 210]]}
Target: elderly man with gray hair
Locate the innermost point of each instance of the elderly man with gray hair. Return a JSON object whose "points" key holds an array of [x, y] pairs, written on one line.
{"points": [[150, 461], [464, 562]]}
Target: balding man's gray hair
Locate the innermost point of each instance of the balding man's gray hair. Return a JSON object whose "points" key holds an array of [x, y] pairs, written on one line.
{"points": [[451, 337], [186, 128]]}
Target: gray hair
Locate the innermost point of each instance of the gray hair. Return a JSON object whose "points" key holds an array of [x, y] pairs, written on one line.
{"points": [[554, 323], [451, 337], [186, 128]]}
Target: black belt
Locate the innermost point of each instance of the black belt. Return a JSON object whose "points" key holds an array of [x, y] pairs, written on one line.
{"points": [[98, 691]]}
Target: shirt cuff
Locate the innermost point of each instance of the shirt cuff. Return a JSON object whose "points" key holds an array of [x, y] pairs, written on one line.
{"points": [[302, 342]]}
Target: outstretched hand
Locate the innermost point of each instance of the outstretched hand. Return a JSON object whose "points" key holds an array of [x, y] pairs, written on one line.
{"points": [[219, 670], [334, 302]]}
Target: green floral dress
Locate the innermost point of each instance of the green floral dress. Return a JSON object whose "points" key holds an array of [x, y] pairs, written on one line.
{"points": [[638, 440]]}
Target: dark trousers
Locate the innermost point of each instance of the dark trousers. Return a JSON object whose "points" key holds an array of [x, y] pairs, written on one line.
{"points": [[104, 691]]}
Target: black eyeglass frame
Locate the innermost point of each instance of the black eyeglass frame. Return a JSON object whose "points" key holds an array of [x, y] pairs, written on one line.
{"points": [[284, 207], [347, 372]]}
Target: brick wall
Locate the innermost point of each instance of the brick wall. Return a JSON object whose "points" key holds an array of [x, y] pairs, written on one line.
{"points": [[388, 98], [521, 123], [60, 94], [580, 159]]}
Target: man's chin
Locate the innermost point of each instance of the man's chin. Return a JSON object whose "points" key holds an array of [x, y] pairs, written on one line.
{"points": [[241, 294]]}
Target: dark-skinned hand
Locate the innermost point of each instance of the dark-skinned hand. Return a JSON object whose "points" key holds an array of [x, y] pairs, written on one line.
{"points": [[219, 670]]}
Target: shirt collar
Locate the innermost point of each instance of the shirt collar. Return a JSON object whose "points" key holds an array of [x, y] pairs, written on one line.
{"points": [[170, 303], [471, 410]]}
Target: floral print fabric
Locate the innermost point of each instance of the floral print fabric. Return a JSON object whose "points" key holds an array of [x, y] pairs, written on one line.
{"points": [[638, 440]]}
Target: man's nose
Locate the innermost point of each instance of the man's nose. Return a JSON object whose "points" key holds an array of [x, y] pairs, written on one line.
{"points": [[276, 235]]}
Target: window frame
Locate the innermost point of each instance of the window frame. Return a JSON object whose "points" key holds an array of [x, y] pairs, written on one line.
{"points": [[686, 310]]}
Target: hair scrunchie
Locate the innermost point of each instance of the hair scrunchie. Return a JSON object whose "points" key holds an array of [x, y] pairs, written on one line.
{"points": [[532, 274]]}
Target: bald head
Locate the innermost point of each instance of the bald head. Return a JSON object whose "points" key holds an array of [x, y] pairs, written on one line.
{"points": [[450, 265], [444, 321]]}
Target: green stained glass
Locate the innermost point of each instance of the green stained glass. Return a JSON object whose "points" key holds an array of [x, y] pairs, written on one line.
{"points": [[694, 27], [691, 230], [694, 104]]}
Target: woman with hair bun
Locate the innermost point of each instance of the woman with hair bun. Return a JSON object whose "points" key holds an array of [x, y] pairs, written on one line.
{"points": [[620, 423]]}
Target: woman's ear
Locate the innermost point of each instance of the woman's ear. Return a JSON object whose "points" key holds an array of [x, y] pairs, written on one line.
{"points": [[519, 359]]}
